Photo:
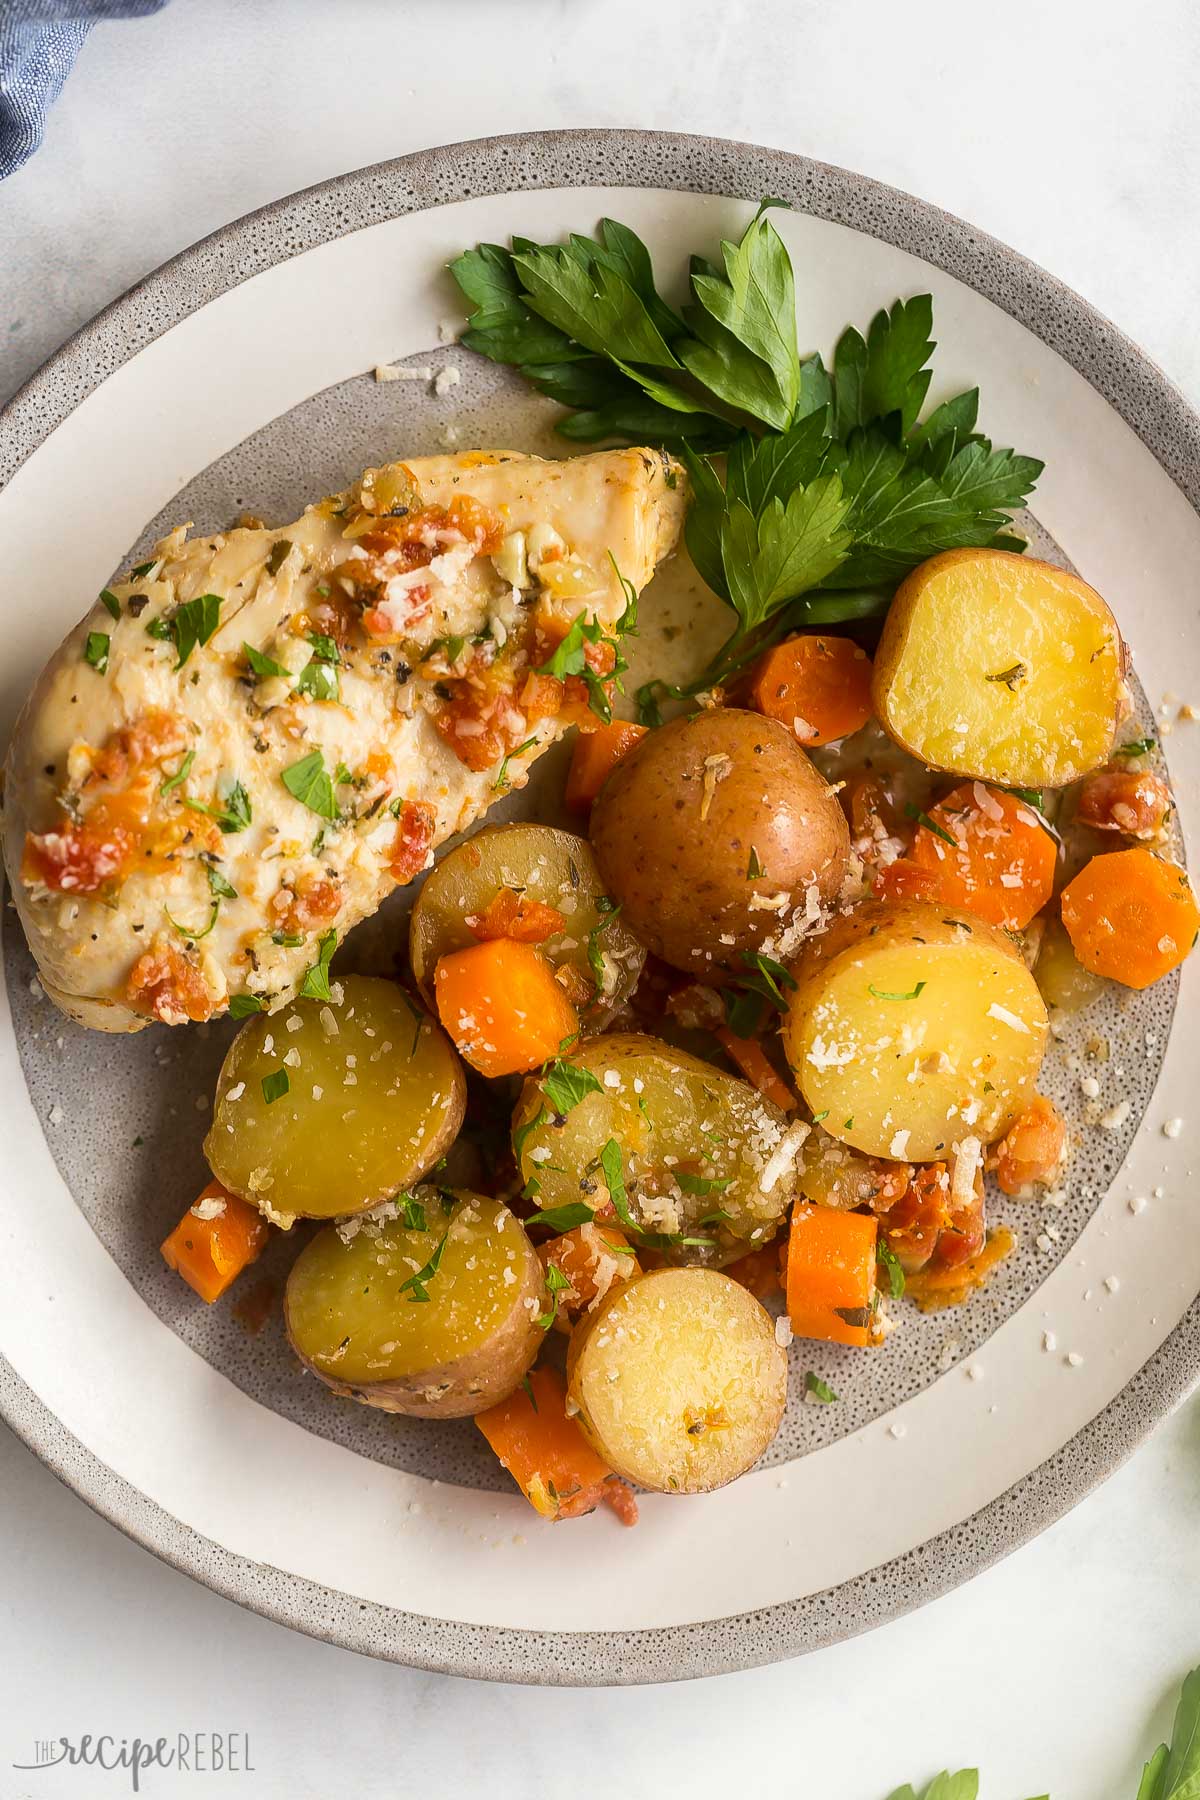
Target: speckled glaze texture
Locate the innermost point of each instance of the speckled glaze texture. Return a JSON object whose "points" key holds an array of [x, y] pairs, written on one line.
{"points": [[131, 1194]]}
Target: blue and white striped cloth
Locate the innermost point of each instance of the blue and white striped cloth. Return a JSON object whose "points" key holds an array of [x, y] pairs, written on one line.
{"points": [[39, 41]]}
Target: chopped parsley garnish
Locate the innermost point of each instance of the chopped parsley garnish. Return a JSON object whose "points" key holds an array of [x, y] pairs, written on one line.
{"points": [[1138, 747], [820, 1390], [556, 1281], [745, 997], [412, 1212], [614, 1175], [563, 1218], [180, 775], [187, 931], [881, 994], [218, 887], [242, 1005], [275, 1085], [891, 1262], [522, 1133], [110, 602], [265, 667], [418, 1281], [143, 569], [565, 1085], [754, 867], [315, 985], [308, 781], [595, 955], [235, 815], [502, 775], [95, 651], [290, 939], [278, 556], [319, 676], [923, 818], [1031, 796], [529, 1393], [190, 624], [817, 1117], [701, 1185]]}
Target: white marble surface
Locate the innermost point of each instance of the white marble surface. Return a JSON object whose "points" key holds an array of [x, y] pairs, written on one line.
{"points": [[1072, 132]]}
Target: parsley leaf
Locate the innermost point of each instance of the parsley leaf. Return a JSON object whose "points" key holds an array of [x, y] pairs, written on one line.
{"points": [[880, 994], [563, 1218], [218, 887], [595, 954], [315, 985], [885, 372], [278, 556], [275, 1085], [242, 1005], [111, 604], [264, 666], [193, 935], [565, 1085], [923, 818], [319, 679], [891, 1262], [180, 775], [233, 816], [95, 651], [308, 781], [502, 776], [820, 1390], [190, 624], [700, 1185], [556, 1281], [1173, 1773], [412, 1212], [418, 1281], [612, 1167]]}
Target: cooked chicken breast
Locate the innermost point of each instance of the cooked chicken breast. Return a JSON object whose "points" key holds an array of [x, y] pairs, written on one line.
{"points": [[251, 740]]}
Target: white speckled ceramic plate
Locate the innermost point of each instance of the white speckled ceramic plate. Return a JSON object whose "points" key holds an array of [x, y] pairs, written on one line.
{"points": [[236, 377]]}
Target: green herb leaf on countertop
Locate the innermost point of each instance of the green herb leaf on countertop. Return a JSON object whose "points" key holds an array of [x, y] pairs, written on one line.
{"points": [[315, 985], [308, 781], [1173, 1773]]}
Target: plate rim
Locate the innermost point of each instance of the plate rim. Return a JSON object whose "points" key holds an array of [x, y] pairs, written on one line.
{"points": [[1158, 414]]}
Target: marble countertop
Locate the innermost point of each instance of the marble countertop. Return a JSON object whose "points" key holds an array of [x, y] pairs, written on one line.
{"points": [[1078, 143]]}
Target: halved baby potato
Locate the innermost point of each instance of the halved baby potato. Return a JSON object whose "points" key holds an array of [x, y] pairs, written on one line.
{"points": [[913, 1026], [327, 1108], [706, 1166], [679, 1380], [1000, 667], [429, 1308], [597, 953]]}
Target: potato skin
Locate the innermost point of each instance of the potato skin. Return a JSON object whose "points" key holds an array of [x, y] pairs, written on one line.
{"points": [[983, 1086], [677, 822], [961, 619], [701, 1380], [450, 1387]]}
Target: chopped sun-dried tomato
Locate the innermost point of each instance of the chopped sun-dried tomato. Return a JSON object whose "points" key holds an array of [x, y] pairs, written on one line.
{"points": [[513, 915], [166, 983], [482, 721], [413, 841], [1031, 1153], [305, 907], [78, 859], [1122, 800]]}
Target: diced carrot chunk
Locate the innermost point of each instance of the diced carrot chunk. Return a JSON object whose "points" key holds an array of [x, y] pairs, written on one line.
{"points": [[1131, 916], [831, 1274], [757, 1067], [1032, 1151], [217, 1237], [593, 758], [502, 1006], [989, 852], [904, 880], [547, 1454], [818, 686]]}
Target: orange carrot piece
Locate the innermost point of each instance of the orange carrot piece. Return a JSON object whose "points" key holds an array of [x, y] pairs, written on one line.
{"points": [[1032, 1151], [904, 880], [831, 1273], [513, 915], [589, 1256], [217, 1237], [1130, 916], [594, 757], [1001, 862], [819, 687], [757, 1067], [547, 1454], [502, 1006]]}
